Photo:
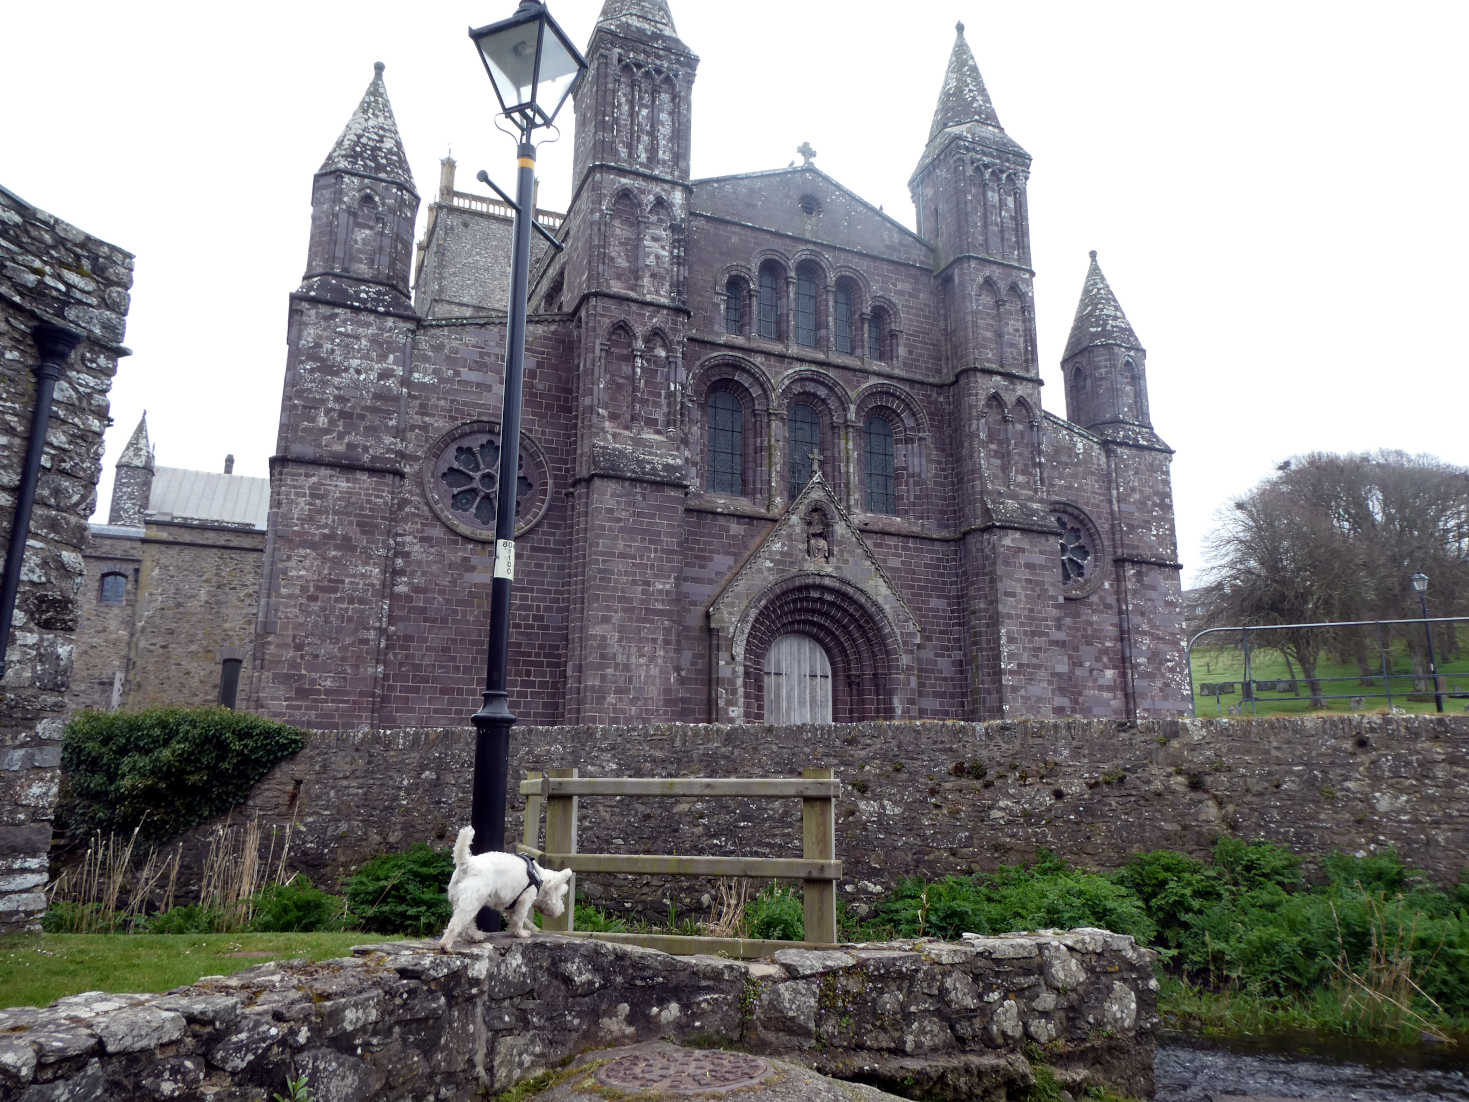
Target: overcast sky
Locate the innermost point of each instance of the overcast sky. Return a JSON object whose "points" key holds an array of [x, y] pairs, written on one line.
{"points": [[1277, 191]]}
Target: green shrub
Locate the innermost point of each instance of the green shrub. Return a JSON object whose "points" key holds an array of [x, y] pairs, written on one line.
{"points": [[1256, 864], [1048, 894], [192, 918], [165, 769], [593, 920], [297, 907], [777, 914], [402, 893]]}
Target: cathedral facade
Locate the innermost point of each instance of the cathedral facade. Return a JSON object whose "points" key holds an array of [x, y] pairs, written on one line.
{"points": [[783, 459]]}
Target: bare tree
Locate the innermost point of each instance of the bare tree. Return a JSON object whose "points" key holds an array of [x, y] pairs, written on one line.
{"points": [[1332, 537]]}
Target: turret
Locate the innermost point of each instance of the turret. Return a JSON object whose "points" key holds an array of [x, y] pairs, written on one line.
{"points": [[1104, 362], [363, 206], [132, 484]]}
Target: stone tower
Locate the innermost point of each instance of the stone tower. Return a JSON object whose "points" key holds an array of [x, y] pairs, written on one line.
{"points": [[970, 194], [1107, 394], [339, 449], [625, 269], [132, 484]]}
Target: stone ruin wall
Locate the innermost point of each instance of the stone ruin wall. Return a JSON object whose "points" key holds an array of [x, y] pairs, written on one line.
{"points": [[404, 1021], [50, 271], [917, 798]]}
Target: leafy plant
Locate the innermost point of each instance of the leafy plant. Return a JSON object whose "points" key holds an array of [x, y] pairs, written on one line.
{"points": [[591, 919], [297, 1090], [163, 770], [191, 918], [402, 893], [297, 907], [777, 913]]}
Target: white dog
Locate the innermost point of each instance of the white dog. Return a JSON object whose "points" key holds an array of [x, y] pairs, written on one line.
{"points": [[509, 883]]}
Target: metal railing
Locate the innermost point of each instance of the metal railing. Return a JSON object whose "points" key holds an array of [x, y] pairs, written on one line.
{"points": [[1383, 682]]}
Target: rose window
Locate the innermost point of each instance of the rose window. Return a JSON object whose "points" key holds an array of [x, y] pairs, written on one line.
{"points": [[472, 475], [461, 480], [1074, 551]]}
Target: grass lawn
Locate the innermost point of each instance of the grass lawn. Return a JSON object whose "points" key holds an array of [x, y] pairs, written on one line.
{"points": [[1216, 665], [37, 969]]}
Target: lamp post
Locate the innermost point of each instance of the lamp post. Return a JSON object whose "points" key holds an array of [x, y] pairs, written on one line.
{"points": [[1420, 587], [534, 69]]}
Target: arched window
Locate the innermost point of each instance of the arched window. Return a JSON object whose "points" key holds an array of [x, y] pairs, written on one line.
{"points": [[841, 317], [803, 436], [726, 443], [113, 589], [879, 337], [809, 286], [734, 305], [878, 469], [772, 290]]}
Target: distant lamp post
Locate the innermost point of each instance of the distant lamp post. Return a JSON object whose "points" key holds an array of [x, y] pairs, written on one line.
{"points": [[534, 69], [1420, 587]]}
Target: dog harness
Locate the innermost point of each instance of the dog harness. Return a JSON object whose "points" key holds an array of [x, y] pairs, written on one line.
{"points": [[532, 880]]}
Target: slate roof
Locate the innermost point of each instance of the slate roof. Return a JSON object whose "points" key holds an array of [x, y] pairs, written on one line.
{"points": [[225, 499], [369, 144], [1099, 316]]}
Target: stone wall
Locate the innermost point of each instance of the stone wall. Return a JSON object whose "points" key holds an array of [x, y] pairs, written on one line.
{"points": [[191, 601], [402, 1021], [917, 798], [51, 272]]}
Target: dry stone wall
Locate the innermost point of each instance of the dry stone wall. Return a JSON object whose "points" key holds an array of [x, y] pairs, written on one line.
{"points": [[403, 1021], [917, 798], [53, 273]]}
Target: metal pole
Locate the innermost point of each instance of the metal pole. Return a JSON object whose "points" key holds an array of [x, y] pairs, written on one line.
{"points": [[1432, 663], [55, 344], [493, 721]]}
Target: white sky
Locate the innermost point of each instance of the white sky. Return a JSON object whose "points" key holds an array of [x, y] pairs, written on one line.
{"points": [[1276, 189]]}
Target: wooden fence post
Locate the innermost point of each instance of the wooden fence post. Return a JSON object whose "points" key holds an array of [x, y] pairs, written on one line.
{"points": [[818, 843], [561, 839], [530, 832]]}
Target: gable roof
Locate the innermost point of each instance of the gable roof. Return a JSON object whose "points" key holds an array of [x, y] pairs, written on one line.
{"points": [[231, 500]]}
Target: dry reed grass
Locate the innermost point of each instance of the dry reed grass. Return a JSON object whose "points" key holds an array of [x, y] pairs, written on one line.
{"points": [[727, 913]]}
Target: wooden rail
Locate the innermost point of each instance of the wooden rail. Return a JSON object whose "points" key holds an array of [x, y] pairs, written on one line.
{"points": [[558, 790]]}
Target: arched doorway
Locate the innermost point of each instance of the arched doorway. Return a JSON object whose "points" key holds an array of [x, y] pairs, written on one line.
{"points": [[797, 681]]}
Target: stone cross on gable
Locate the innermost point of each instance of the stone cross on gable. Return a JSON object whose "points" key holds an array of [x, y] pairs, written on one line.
{"points": [[807, 154]]}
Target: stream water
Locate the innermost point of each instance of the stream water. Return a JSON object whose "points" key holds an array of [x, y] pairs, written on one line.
{"points": [[1189, 1070]]}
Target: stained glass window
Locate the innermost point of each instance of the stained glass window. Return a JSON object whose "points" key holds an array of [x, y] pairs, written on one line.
{"points": [[734, 305], [877, 336]]}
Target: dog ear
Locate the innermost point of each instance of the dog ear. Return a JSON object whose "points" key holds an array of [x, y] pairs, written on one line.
{"points": [[562, 877]]}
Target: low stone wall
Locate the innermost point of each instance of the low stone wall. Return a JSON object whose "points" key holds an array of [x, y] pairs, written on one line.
{"points": [[402, 1021], [918, 798]]}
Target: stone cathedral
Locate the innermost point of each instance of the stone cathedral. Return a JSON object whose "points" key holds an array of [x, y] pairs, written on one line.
{"points": [[784, 459]]}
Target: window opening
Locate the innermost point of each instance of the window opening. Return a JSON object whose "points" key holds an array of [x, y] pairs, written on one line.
{"points": [[803, 436], [114, 589], [879, 468], [807, 289], [734, 306], [770, 301], [842, 318], [877, 336], [726, 443], [229, 681]]}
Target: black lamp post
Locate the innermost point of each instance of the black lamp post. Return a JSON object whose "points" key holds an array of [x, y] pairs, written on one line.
{"points": [[534, 69], [1420, 587], [55, 344]]}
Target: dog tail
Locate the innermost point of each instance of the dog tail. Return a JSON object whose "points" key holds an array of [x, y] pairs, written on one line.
{"points": [[461, 847]]}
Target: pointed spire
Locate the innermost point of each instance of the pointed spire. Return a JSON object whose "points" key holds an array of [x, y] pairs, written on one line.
{"points": [[139, 452], [1099, 316], [369, 144], [645, 16], [964, 98]]}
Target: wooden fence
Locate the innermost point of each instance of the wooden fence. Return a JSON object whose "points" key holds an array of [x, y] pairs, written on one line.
{"points": [[558, 790]]}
